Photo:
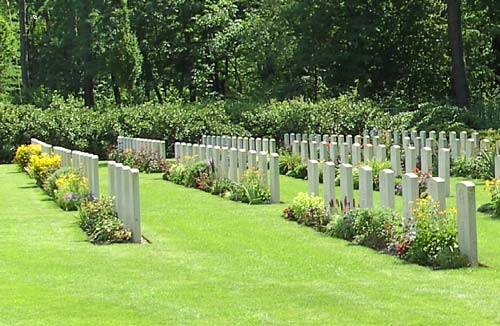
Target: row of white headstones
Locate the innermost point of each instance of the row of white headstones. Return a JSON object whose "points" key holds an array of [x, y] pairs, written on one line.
{"points": [[87, 163], [356, 149], [123, 183], [232, 163], [142, 144], [465, 197]]}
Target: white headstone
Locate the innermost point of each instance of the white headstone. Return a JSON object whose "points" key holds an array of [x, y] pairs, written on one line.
{"points": [[466, 214], [263, 168], [365, 187], [410, 196], [436, 189], [426, 160], [275, 177], [396, 159], [329, 187], [410, 159], [233, 164], [346, 186], [444, 168], [381, 153], [356, 154], [386, 179], [313, 177]]}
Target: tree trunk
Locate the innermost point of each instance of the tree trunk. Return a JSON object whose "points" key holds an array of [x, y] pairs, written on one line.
{"points": [[116, 90], [88, 90], [458, 77], [23, 43]]}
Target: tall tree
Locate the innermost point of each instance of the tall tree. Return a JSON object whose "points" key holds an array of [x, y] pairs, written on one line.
{"points": [[459, 78], [24, 43]]}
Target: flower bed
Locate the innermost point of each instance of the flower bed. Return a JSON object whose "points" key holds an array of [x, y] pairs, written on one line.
{"points": [[428, 239], [70, 191], [201, 175]]}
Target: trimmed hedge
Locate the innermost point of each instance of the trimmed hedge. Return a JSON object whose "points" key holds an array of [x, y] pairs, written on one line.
{"points": [[67, 123], [95, 130]]}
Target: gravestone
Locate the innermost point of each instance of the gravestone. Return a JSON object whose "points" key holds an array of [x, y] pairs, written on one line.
{"points": [[329, 187], [346, 186], [466, 216], [275, 177], [410, 159], [313, 177], [444, 168], [365, 187], [436, 189], [386, 180], [410, 196], [396, 159]]}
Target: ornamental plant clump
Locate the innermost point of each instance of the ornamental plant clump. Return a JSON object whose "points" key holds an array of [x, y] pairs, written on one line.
{"points": [[422, 179], [308, 210], [41, 166], [493, 188], [67, 187], [100, 222], [250, 190], [24, 153], [428, 239], [481, 166], [201, 175], [144, 160]]}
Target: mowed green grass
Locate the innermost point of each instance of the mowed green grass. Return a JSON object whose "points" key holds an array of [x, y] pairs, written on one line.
{"points": [[217, 262]]}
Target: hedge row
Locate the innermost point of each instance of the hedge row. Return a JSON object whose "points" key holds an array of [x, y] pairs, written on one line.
{"points": [[68, 124]]}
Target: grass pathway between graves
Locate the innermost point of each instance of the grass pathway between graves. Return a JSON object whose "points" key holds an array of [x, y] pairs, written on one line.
{"points": [[217, 262]]}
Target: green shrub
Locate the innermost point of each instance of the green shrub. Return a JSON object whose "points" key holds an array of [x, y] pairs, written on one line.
{"points": [[288, 162], [69, 124], [67, 187], [100, 222], [250, 190], [493, 188], [430, 239], [481, 166], [308, 210], [374, 228]]}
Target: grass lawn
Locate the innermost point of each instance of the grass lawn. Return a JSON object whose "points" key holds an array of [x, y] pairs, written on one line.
{"points": [[217, 262]]}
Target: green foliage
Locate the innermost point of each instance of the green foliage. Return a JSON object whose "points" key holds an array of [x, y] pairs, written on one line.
{"points": [[493, 188], [100, 222], [9, 69], [376, 166], [200, 175], [481, 166], [69, 124], [250, 189], [308, 210], [431, 237], [374, 228]]}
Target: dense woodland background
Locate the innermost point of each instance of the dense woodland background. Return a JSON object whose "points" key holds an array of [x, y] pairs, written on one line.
{"points": [[255, 60], [137, 50]]}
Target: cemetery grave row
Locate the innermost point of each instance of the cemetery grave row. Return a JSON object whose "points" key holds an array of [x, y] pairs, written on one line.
{"points": [[232, 163], [142, 144], [377, 145], [123, 183]]}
